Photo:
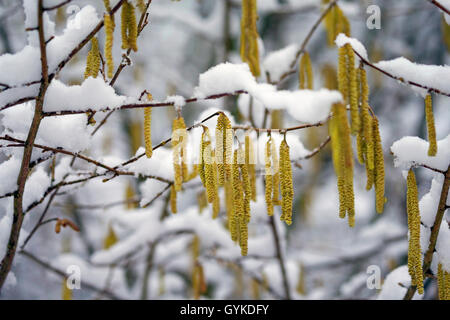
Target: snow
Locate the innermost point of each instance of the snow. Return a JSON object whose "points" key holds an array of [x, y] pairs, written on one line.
{"points": [[303, 105], [431, 76], [93, 94], [342, 40], [278, 62], [410, 151], [429, 203], [160, 164], [67, 132], [443, 245], [9, 170], [395, 285], [178, 101], [25, 66]]}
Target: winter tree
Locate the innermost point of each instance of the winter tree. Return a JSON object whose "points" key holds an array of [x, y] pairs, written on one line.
{"points": [[224, 149]]}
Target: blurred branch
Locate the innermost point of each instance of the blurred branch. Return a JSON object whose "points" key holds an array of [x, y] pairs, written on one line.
{"points": [[440, 6], [64, 275]]}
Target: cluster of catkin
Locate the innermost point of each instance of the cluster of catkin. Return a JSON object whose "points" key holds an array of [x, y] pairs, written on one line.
{"points": [[249, 36], [352, 83], [443, 283], [278, 175], [234, 171], [414, 251]]}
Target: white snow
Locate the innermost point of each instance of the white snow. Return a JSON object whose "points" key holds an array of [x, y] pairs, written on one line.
{"points": [[25, 66], [342, 40], [278, 62], [446, 4], [429, 203], [178, 101], [395, 285], [92, 94], [410, 151], [303, 105], [431, 76]]}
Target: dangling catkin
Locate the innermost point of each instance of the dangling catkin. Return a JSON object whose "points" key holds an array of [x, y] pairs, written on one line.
{"points": [[342, 155], [148, 129], [238, 199], [109, 31], [287, 187], [66, 292], [443, 283], [335, 23], [107, 5], [93, 60], [305, 72], [432, 149], [179, 134], [201, 164], [245, 183], [276, 176], [129, 27], [250, 162], [269, 177], [173, 199], [249, 36], [378, 172], [414, 254], [210, 168], [224, 140]]}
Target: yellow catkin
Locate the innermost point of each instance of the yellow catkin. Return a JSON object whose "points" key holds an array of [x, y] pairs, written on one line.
{"points": [[414, 252], [110, 239], [250, 162], [249, 36], [198, 281], [305, 72], [269, 177], [130, 196], [93, 60], [201, 163], [432, 149], [256, 294], [329, 75], [129, 27], [179, 134], [224, 141], [342, 155], [301, 287], [216, 201], [210, 168], [287, 187], [379, 167], [228, 188], [124, 24], [342, 73], [238, 201], [246, 185], [141, 5], [148, 130], [107, 5], [335, 23], [353, 90], [173, 199], [109, 32], [201, 201], [276, 176], [366, 121], [66, 292]]}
